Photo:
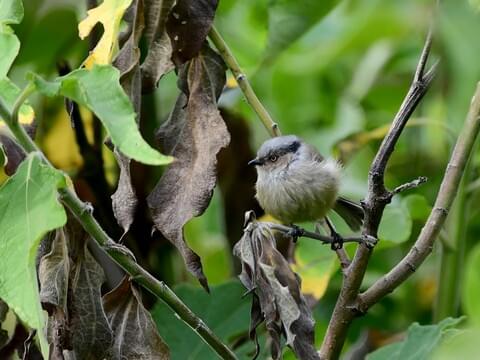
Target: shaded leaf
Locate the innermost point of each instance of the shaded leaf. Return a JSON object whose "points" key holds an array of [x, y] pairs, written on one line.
{"points": [[109, 14], [471, 289], [290, 19], [136, 335], [418, 206], [9, 93], [159, 56], [193, 134], [420, 342], [99, 90], [277, 299], [225, 311], [396, 225], [22, 224], [90, 333], [187, 25]]}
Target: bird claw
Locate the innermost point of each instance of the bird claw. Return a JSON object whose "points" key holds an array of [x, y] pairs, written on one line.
{"points": [[295, 232], [369, 241], [337, 242]]}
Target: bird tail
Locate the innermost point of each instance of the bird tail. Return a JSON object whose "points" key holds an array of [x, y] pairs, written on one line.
{"points": [[350, 211]]}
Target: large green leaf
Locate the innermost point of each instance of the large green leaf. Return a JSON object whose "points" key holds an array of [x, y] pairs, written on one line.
{"points": [[99, 90], [290, 19], [223, 310], [9, 46], [471, 290], [28, 210], [420, 342], [396, 225], [11, 11]]}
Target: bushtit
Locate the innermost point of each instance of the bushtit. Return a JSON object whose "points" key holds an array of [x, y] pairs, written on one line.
{"points": [[296, 183]]}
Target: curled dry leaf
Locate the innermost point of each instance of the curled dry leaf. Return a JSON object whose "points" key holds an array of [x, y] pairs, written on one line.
{"points": [[136, 335], [188, 24], [70, 281], [159, 57], [124, 200], [277, 299], [193, 134]]}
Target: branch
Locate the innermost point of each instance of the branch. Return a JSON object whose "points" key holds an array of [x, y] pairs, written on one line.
{"points": [[120, 254], [376, 200], [243, 83], [446, 194]]}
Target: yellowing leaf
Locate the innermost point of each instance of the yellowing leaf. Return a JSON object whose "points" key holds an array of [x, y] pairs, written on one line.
{"points": [[315, 264], [109, 14]]}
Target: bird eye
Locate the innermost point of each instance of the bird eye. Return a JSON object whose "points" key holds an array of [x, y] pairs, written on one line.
{"points": [[273, 158]]}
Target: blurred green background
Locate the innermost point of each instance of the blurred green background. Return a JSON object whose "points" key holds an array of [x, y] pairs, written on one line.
{"points": [[334, 73]]}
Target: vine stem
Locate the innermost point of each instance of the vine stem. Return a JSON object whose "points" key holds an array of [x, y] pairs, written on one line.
{"points": [[120, 254], [243, 82]]}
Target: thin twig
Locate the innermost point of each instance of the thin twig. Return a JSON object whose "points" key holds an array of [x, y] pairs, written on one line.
{"points": [[374, 204], [118, 253], [361, 239], [243, 83], [446, 194], [410, 185]]}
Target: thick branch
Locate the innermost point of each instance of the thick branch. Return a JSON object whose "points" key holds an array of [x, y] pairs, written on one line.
{"points": [[118, 253], [243, 83], [376, 200], [446, 195]]}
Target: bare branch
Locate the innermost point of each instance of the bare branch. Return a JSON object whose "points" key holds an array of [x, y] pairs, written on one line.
{"points": [[410, 185], [446, 194], [374, 204]]}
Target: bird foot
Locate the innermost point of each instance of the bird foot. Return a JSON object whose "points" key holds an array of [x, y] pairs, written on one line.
{"points": [[369, 241], [295, 232], [337, 242]]}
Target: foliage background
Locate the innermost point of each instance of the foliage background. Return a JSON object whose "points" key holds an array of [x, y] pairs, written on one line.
{"points": [[336, 83]]}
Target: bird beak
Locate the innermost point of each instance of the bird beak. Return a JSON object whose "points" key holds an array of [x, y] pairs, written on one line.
{"points": [[255, 162]]}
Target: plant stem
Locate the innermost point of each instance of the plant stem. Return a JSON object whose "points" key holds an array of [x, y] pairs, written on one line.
{"points": [[243, 83], [452, 257], [120, 254]]}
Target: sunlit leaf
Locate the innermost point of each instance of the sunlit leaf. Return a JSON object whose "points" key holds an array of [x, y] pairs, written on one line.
{"points": [[99, 90], [420, 342], [28, 209], [109, 14], [11, 11]]}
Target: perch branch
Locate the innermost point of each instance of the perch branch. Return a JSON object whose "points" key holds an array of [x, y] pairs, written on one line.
{"points": [[243, 83], [376, 200], [121, 255], [446, 194]]}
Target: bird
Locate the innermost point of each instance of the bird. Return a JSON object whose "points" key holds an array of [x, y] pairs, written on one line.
{"points": [[295, 183]]}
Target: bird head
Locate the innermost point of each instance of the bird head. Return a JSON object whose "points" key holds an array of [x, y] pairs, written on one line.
{"points": [[276, 153]]}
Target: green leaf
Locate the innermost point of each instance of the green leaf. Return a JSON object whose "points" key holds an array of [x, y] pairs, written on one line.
{"points": [[290, 19], [225, 311], [28, 210], [420, 342], [396, 225], [9, 47], [11, 11], [471, 290], [417, 206], [99, 90]]}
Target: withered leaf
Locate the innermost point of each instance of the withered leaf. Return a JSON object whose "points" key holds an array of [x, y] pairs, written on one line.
{"points": [[13, 152], [136, 335], [188, 24], [3, 314], [193, 134], [91, 335], [276, 289], [124, 200], [159, 57]]}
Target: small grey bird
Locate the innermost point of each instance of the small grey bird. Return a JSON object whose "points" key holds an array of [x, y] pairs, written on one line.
{"points": [[296, 183]]}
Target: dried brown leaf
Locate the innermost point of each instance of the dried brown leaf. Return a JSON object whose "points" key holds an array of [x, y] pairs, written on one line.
{"points": [[158, 60], [136, 335], [124, 200], [188, 24], [193, 134], [276, 290], [13, 152]]}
